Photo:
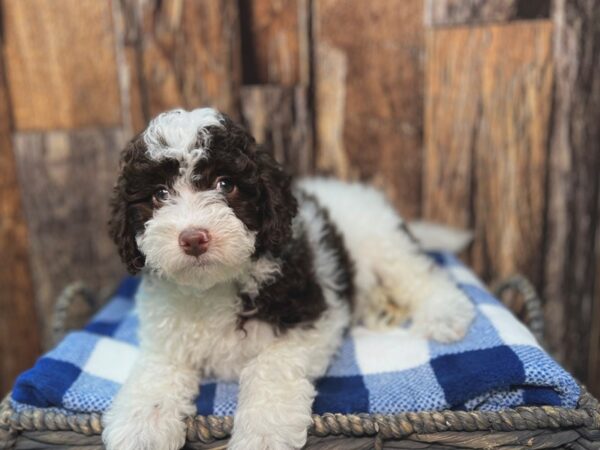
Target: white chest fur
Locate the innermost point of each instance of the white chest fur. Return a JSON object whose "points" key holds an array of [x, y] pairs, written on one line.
{"points": [[199, 328]]}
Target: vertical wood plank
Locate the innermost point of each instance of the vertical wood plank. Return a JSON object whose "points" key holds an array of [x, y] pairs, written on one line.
{"points": [[60, 62], [471, 12], [488, 108], [574, 187], [511, 153], [279, 118], [182, 54], [19, 332], [275, 41], [452, 110], [369, 94], [66, 179]]}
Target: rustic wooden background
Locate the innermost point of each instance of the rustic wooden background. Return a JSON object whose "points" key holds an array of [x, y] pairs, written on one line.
{"points": [[479, 113]]}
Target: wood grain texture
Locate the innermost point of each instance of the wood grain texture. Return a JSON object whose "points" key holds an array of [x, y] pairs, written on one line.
{"points": [[572, 306], [279, 118], [488, 109], [369, 94], [66, 179], [511, 154], [472, 12], [60, 63], [275, 41], [452, 110], [19, 332], [182, 54]]}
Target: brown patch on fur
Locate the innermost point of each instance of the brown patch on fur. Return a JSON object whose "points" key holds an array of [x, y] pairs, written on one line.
{"points": [[132, 205], [295, 298], [332, 239]]}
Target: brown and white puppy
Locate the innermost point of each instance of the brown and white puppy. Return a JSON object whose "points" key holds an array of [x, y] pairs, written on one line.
{"points": [[248, 277]]}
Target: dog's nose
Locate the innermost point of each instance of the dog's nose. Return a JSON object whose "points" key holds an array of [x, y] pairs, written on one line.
{"points": [[194, 241]]}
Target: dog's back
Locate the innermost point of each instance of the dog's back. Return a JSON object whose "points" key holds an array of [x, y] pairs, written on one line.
{"points": [[384, 252]]}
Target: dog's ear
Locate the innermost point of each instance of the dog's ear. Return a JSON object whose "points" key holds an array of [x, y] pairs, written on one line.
{"points": [[278, 204], [121, 223]]}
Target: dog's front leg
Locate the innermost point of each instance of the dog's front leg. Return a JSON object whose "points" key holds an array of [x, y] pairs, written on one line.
{"points": [[148, 412], [277, 392]]}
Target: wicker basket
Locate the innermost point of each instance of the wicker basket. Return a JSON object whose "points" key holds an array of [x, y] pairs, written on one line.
{"points": [[525, 427]]}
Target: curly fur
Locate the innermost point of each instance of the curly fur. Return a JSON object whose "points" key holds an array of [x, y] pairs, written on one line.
{"points": [[287, 269], [131, 202]]}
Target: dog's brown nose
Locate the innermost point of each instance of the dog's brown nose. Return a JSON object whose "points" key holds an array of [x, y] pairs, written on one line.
{"points": [[194, 241]]}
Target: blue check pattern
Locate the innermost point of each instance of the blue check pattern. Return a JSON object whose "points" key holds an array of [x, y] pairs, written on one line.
{"points": [[498, 365]]}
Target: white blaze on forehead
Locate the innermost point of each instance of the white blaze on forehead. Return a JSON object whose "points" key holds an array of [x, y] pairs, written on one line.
{"points": [[173, 134]]}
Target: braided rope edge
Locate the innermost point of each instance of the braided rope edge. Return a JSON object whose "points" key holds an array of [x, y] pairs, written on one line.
{"points": [[64, 302], [532, 303], [209, 428]]}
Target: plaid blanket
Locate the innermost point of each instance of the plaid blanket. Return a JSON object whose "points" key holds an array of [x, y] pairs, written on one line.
{"points": [[498, 365]]}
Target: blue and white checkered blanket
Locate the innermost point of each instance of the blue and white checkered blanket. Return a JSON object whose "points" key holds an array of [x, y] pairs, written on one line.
{"points": [[498, 365]]}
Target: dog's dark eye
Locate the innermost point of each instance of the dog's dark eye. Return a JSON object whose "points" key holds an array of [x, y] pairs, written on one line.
{"points": [[225, 185], [160, 196]]}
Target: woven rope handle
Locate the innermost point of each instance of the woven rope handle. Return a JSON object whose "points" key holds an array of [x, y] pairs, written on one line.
{"points": [[532, 309], [62, 317]]}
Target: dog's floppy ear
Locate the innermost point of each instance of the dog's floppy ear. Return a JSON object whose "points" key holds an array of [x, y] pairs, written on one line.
{"points": [[121, 223], [278, 204]]}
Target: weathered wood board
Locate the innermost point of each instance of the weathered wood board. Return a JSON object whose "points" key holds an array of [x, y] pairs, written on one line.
{"points": [[19, 327], [369, 94], [66, 180], [279, 118], [473, 12], [571, 287], [452, 110], [60, 63], [275, 41], [182, 54], [488, 110]]}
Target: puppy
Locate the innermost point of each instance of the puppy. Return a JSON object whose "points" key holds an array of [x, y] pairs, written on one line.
{"points": [[249, 277]]}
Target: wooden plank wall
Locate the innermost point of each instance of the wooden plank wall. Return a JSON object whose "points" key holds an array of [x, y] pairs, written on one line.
{"points": [[66, 138], [369, 91], [478, 113], [485, 146], [572, 260], [19, 331]]}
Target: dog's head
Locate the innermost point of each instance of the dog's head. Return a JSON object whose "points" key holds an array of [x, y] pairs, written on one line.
{"points": [[196, 200]]}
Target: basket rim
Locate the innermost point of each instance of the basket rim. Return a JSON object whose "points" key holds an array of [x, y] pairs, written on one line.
{"points": [[206, 429], [387, 426]]}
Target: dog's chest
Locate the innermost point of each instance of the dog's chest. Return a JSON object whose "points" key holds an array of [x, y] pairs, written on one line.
{"points": [[202, 331]]}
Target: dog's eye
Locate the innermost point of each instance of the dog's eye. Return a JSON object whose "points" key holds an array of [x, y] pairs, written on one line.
{"points": [[160, 196], [225, 185]]}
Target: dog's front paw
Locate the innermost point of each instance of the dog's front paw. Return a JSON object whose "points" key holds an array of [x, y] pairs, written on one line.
{"points": [[259, 430], [446, 318], [240, 441], [141, 429]]}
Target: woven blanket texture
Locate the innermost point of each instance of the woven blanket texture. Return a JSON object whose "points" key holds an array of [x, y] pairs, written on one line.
{"points": [[497, 365]]}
